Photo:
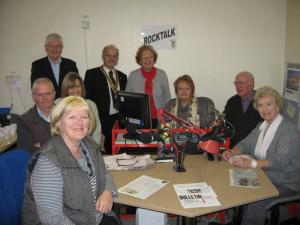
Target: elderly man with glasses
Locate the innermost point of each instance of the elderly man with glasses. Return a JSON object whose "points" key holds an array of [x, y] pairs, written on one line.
{"points": [[33, 127], [53, 66], [239, 108]]}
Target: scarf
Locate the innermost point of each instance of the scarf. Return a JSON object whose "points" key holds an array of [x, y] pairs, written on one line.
{"points": [[149, 76], [193, 115], [266, 137]]}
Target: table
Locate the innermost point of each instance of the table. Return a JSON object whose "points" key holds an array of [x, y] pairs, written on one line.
{"points": [[198, 169]]}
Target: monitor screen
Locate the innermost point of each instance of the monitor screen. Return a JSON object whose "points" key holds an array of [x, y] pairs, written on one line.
{"points": [[134, 108]]}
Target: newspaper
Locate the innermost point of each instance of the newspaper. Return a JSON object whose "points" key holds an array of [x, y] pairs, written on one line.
{"points": [[244, 178], [196, 195], [128, 162], [143, 187]]}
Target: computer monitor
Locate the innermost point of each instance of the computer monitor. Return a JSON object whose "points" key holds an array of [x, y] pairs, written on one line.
{"points": [[134, 109]]}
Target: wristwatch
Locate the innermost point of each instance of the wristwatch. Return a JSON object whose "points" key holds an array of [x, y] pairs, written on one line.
{"points": [[253, 163]]}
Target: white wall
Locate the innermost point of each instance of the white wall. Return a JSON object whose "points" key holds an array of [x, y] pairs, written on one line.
{"points": [[293, 32], [216, 39]]}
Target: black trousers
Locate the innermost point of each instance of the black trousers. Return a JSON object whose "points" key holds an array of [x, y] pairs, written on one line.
{"points": [[109, 220], [107, 124]]}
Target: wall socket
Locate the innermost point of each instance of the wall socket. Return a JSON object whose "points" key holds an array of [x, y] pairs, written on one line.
{"points": [[14, 79], [85, 22]]}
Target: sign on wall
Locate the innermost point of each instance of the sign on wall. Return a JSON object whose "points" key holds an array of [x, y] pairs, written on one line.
{"points": [[159, 36], [292, 85]]}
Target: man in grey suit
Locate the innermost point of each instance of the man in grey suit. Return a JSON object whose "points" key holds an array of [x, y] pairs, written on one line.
{"points": [[33, 127]]}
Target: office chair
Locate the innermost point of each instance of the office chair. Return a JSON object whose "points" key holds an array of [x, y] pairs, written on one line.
{"points": [[274, 207], [13, 164]]}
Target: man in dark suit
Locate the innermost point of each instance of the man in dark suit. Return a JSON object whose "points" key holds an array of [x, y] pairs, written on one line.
{"points": [[33, 127], [239, 110], [53, 66], [101, 84]]}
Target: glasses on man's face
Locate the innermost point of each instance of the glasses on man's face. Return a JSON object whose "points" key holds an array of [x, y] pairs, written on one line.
{"points": [[44, 95], [240, 82], [52, 47]]}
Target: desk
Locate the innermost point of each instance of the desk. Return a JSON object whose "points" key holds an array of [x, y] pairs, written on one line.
{"points": [[119, 141], [198, 169]]}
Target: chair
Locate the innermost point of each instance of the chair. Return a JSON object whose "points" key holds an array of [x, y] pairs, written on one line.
{"points": [[274, 207], [13, 164]]}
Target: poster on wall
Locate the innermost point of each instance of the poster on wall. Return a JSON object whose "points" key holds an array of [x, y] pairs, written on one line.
{"points": [[291, 90], [161, 37]]}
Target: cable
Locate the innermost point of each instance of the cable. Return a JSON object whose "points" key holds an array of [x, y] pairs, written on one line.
{"points": [[85, 49]]}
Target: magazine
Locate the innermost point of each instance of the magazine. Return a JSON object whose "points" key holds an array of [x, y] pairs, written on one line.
{"points": [[244, 178], [143, 187], [196, 195]]}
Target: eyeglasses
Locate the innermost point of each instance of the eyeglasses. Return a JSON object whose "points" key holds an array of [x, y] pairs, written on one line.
{"points": [[240, 82], [44, 95], [54, 46]]}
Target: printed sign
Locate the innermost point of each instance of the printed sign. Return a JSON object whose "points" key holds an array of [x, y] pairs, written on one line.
{"points": [[159, 36]]}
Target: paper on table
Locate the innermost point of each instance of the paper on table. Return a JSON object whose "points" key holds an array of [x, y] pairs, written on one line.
{"points": [[127, 162], [196, 195], [244, 178], [143, 187]]}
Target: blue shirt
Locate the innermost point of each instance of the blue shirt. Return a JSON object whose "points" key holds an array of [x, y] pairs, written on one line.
{"points": [[56, 68]]}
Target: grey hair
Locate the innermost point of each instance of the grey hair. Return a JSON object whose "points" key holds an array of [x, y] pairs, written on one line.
{"points": [[39, 81], [53, 37], [248, 74], [111, 46]]}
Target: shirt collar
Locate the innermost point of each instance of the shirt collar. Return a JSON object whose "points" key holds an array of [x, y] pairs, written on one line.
{"points": [[58, 61], [248, 97], [107, 70], [43, 115]]}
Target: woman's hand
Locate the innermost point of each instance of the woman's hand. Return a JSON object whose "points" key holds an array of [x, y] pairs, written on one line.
{"points": [[104, 202], [242, 162], [227, 155]]}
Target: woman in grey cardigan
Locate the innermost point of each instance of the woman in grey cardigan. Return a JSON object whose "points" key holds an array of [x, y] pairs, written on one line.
{"points": [[275, 147], [67, 181], [150, 80]]}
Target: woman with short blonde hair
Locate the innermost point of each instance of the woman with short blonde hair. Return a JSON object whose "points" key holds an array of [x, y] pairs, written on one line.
{"points": [[67, 180], [73, 85]]}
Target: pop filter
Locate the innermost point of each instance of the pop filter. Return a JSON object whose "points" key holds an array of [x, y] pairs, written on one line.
{"points": [[210, 146]]}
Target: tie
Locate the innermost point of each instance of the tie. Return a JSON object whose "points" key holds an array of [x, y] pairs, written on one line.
{"points": [[115, 105], [111, 76]]}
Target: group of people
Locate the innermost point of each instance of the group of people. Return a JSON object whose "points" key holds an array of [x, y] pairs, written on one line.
{"points": [[67, 179]]}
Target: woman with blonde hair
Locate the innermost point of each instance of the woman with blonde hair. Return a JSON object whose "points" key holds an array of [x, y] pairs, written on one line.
{"points": [[67, 181], [73, 85], [275, 147]]}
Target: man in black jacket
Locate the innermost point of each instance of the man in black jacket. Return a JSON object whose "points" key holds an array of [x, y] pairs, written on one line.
{"points": [[53, 66], [239, 108], [101, 84]]}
